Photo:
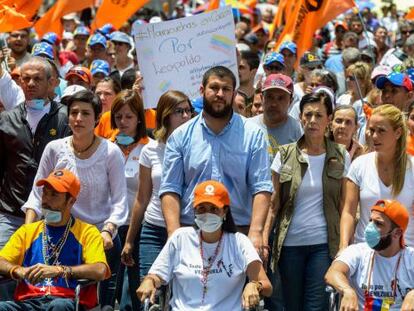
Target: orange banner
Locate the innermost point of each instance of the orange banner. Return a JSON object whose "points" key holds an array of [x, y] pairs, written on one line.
{"points": [[410, 15], [51, 20], [11, 20], [116, 12], [307, 17]]}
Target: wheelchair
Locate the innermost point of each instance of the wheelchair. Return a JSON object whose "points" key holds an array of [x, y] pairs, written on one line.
{"points": [[334, 298], [82, 284]]}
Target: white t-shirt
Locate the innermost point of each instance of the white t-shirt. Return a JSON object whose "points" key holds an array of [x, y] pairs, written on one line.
{"points": [[180, 261], [358, 256], [152, 156], [363, 172], [308, 225], [102, 197], [132, 176]]}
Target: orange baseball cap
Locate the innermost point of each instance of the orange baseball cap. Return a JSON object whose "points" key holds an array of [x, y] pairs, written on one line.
{"points": [[395, 211], [212, 192], [81, 72], [341, 23], [62, 181]]}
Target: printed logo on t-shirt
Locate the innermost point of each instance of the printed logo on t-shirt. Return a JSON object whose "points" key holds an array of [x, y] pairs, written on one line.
{"points": [[217, 268]]}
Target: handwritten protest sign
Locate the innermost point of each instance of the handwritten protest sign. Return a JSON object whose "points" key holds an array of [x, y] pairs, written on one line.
{"points": [[175, 54]]}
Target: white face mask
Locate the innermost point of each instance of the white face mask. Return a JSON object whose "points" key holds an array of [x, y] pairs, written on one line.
{"points": [[51, 217], [208, 222]]}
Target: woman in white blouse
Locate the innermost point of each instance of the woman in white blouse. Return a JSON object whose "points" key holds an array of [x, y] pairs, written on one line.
{"points": [[99, 165]]}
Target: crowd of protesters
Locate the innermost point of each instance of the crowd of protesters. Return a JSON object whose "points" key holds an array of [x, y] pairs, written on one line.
{"points": [[296, 174]]}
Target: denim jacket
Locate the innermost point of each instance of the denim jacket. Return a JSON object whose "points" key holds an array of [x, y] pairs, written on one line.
{"points": [[294, 167]]}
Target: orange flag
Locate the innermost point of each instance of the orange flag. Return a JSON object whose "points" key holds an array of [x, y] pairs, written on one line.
{"points": [[116, 12], [26, 7], [410, 15], [307, 17], [11, 20], [51, 20], [213, 4]]}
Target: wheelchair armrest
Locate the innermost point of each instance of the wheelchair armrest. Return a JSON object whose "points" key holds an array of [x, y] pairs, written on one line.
{"points": [[86, 282], [330, 289]]}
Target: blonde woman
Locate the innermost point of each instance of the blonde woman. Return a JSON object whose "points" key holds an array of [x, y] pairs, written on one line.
{"points": [[356, 74], [174, 108], [386, 173]]}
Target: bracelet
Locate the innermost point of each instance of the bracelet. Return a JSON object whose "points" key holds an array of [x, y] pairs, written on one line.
{"points": [[61, 271], [107, 231], [258, 284], [11, 272]]}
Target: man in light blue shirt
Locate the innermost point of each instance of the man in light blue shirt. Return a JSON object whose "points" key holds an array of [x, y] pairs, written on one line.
{"points": [[218, 145]]}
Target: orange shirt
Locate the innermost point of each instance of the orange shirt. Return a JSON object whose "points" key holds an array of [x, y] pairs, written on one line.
{"points": [[410, 144], [104, 129]]}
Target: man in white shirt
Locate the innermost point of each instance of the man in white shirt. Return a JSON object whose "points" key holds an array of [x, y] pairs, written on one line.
{"points": [[379, 273]]}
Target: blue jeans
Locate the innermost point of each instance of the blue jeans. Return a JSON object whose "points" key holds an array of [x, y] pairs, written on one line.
{"points": [[302, 270], [45, 303], [107, 287], [8, 225], [128, 277], [153, 239]]}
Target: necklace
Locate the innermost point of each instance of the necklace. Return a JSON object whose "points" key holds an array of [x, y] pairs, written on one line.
{"points": [[79, 152], [206, 269], [50, 252]]}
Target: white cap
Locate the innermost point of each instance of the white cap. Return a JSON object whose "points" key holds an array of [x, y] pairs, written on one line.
{"points": [[155, 19], [72, 90]]}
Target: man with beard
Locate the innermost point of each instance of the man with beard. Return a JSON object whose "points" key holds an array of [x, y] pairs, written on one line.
{"points": [[218, 145], [379, 273], [18, 41], [47, 257]]}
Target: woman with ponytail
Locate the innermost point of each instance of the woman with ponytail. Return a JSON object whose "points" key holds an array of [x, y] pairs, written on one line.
{"points": [[385, 173]]}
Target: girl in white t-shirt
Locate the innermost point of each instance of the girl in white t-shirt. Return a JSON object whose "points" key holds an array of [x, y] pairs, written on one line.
{"points": [[386, 173], [174, 108], [208, 265], [127, 116]]}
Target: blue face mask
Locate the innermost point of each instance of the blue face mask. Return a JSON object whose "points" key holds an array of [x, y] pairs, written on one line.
{"points": [[372, 235], [51, 217], [124, 139], [35, 104]]}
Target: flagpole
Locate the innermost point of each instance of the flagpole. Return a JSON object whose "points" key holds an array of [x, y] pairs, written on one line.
{"points": [[366, 33]]}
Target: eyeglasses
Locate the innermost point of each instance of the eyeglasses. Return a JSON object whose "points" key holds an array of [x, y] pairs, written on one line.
{"points": [[181, 111], [407, 32], [350, 78]]}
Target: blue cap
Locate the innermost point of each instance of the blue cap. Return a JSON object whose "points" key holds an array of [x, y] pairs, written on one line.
{"points": [[197, 104], [97, 39], [410, 73], [43, 49], [100, 66], [119, 36], [395, 78], [251, 38], [82, 31], [106, 30], [51, 38], [273, 57], [291, 46]]}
